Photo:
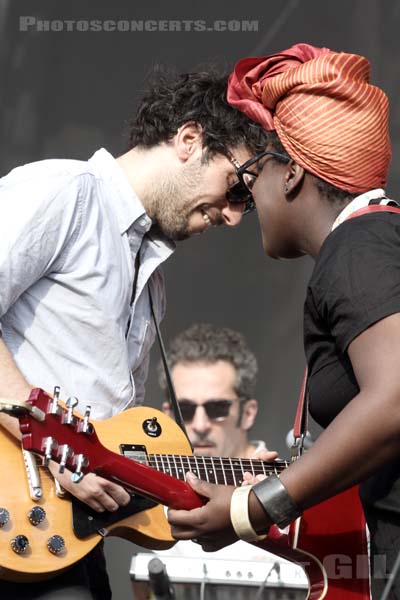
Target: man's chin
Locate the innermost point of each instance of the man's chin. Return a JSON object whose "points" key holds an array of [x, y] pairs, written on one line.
{"points": [[173, 233]]}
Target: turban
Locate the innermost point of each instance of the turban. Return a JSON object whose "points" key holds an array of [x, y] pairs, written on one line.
{"points": [[327, 115]]}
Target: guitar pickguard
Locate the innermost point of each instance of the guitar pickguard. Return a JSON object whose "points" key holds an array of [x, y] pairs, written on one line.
{"points": [[86, 521]]}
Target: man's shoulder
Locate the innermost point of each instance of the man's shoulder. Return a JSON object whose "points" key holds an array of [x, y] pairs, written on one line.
{"points": [[48, 169]]}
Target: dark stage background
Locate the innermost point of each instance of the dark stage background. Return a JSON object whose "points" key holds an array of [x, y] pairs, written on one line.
{"points": [[66, 93]]}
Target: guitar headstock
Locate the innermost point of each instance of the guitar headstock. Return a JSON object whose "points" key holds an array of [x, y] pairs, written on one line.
{"points": [[54, 431]]}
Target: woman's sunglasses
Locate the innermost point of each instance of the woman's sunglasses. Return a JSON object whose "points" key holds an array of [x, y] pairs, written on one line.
{"points": [[241, 191]]}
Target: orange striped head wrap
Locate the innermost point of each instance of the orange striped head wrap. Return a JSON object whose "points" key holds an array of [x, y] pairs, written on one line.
{"points": [[328, 116]]}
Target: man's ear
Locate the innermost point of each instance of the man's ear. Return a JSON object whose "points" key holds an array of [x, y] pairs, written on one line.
{"points": [[250, 410], [166, 408], [293, 180], [188, 140]]}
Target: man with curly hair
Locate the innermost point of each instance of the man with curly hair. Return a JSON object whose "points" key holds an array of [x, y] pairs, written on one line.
{"points": [[81, 246], [214, 373]]}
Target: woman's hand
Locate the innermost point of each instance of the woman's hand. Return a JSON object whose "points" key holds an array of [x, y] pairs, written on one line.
{"points": [[209, 525]]}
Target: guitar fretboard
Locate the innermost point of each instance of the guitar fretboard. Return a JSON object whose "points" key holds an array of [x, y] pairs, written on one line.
{"points": [[226, 471]]}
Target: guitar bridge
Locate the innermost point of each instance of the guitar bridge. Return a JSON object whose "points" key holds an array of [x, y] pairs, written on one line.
{"points": [[32, 475]]}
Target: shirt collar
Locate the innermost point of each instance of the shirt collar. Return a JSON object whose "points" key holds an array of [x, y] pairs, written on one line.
{"points": [[126, 204], [357, 203]]}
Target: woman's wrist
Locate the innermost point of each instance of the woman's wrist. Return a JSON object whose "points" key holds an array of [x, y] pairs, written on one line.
{"points": [[240, 515]]}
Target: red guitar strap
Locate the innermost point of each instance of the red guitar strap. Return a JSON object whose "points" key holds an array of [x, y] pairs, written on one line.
{"points": [[301, 420], [373, 208]]}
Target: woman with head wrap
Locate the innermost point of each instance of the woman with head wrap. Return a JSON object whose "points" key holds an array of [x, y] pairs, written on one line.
{"points": [[327, 158]]}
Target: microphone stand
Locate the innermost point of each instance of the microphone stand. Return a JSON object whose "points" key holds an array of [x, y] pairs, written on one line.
{"points": [[159, 580]]}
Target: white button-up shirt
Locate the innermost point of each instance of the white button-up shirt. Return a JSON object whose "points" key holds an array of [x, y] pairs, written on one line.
{"points": [[69, 235]]}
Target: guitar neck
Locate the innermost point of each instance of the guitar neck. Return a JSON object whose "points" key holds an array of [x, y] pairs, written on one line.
{"points": [[225, 471]]}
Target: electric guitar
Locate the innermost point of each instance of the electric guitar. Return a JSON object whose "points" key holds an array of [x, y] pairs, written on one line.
{"points": [[42, 534]]}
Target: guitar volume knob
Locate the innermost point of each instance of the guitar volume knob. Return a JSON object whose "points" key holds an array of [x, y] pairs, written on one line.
{"points": [[4, 517], [20, 544], [55, 544], [36, 515]]}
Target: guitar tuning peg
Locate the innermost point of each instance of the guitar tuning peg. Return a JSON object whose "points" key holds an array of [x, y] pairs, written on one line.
{"points": [[86, 426], [54, 408], [71, 403], [49, 444], [80, 461], [65, 452]]}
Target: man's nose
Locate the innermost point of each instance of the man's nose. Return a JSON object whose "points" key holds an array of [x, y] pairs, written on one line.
{"points": [[232, 213], [200, 421]]}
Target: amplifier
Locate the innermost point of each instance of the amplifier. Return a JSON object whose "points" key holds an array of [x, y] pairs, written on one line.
{"points": [[225, 579]]}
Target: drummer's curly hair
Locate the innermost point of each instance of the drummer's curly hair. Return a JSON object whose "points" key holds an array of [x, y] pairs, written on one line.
{"points": [[206, 343], [173, 99]]}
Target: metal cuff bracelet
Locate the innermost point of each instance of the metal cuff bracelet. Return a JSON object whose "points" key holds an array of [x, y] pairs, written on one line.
{"points": [[276, 501]]}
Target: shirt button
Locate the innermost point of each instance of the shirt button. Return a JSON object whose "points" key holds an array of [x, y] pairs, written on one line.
{"points": [[142, 222]]}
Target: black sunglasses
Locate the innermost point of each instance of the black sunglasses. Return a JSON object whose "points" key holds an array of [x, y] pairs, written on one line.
{"points": [[216, 410], [242, 190]]}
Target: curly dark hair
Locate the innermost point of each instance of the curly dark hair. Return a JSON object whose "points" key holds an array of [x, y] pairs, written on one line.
{"points": [[330, 192], [206, 343], [174, 99]]}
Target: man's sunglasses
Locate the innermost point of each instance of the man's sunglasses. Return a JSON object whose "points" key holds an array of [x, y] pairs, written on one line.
{"points": [[216, 410], [242, 190]]}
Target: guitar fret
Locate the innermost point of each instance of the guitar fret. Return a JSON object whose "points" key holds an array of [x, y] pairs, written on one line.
{"points": [[182, 469], [156, 461], [188, 464], [194, 469], [203, 467], [215, 473], [169, 465], [233, 473], [223, 471], [175, 467], [242, 470], [165, 463], [264, 468], [237, 471]]}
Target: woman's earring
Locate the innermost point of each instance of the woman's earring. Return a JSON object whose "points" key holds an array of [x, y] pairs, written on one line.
{"points": [[286, 189]]}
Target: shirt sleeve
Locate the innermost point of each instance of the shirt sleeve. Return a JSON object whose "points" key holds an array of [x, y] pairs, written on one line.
{"points": [[40, 218], [356, 282]]}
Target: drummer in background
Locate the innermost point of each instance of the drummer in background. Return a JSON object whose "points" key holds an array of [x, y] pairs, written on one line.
{"points": [[214, 375]]}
